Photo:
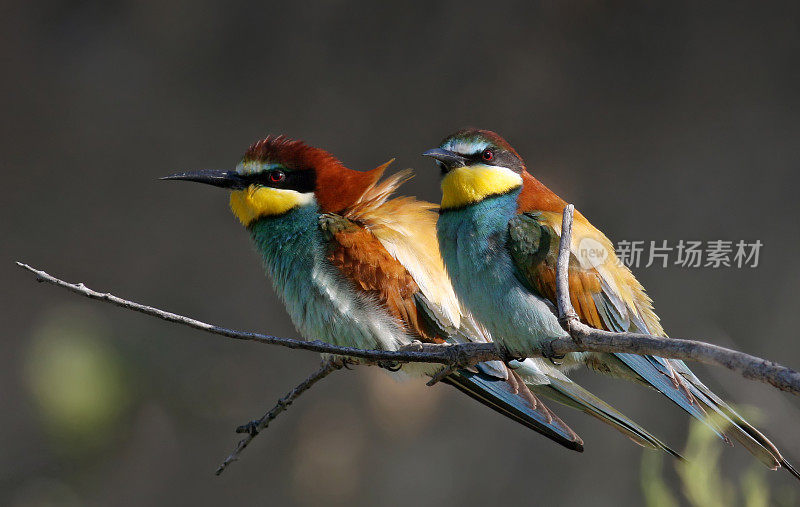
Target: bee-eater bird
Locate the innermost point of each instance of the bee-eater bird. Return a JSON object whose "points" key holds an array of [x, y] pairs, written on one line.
{"points": [[358, 268], [499, 230]]}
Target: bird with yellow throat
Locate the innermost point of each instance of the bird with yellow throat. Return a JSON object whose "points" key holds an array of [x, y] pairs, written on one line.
{"points": [[499, 230], [356, 267]]}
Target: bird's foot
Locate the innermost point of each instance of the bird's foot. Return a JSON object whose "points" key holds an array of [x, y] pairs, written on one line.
{"points": [[550, 355], [344, 362], [415, 345], [390, 365], [507, 357]]}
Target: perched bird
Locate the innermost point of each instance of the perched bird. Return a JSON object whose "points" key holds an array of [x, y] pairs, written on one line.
{"points": [[358, 268], [499, 230]]}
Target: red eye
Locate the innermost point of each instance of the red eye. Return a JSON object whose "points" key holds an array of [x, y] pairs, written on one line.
{"points": [[277, 176], [487, 154]]}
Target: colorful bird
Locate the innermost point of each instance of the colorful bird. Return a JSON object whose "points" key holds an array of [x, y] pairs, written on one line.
{"points": [[499, 230], [357, 268]]}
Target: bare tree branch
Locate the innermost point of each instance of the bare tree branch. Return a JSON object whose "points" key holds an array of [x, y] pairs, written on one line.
{"points": [[584, 338], [253, 428]]}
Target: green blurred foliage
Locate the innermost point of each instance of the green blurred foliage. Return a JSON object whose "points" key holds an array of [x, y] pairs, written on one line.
{"points": [[655, 490], [702, 481], [76, 380]]}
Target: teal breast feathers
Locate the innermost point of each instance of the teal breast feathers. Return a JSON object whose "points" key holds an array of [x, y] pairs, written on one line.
{"points": [[323, 305]]}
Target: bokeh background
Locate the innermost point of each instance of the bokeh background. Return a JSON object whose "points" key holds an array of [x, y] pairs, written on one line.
{"points": [[662, 120]]}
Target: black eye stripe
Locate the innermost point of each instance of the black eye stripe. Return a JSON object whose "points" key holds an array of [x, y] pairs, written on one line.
{"points": [[477, 158], [301, 181], [500, 158]]}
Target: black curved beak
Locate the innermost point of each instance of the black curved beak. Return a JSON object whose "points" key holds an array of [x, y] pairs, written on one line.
{"points": [[446, 159], [222, 179]]}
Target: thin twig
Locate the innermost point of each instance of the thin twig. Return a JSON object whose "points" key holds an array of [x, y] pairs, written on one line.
{"points": [[584, 339], [253, 428], [566, 314]]}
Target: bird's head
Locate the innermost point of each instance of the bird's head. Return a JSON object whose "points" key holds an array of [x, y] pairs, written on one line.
{"points": [[277, 175], [476, 164]]}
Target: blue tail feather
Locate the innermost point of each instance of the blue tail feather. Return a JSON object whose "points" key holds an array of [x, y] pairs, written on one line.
{"points": [[658, 377], [522, 407]]}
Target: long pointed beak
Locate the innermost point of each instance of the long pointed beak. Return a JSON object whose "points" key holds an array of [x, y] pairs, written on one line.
{"points": [[447, 159], [222, 179]]}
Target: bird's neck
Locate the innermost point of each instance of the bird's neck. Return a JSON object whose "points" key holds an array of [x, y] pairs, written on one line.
{"points": [[483, 218]]}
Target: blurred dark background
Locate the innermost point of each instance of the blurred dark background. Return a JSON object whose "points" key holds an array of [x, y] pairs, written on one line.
{"points": [[659, 120]]}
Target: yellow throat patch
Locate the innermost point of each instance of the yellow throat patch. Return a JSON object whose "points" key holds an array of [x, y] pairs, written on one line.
{"points": [[256, 202], [468, 185]]}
